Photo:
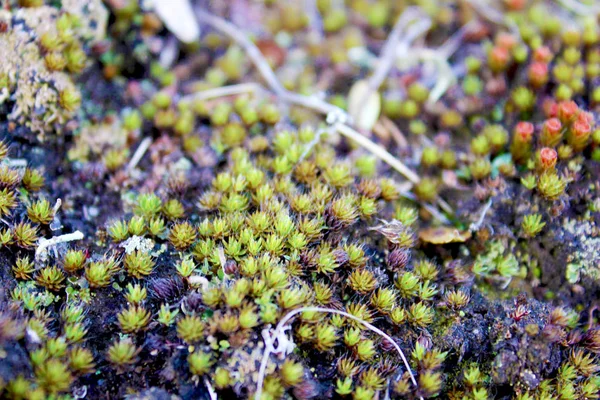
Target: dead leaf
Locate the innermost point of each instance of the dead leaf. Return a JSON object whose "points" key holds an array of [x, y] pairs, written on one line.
{"points": [[179, 18], [364, 105], [443, 235]]}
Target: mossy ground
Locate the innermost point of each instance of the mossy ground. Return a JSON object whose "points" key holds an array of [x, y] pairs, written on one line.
{"points": [[246, 207]]}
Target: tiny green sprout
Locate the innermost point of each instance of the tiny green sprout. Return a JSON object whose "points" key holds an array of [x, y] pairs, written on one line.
{"points": [[50, 41], [338, 175], [292, 297], [366, 166], [40, 212], [138, 264], [325, 337], [233, 134], [51, 278], [166, 316], [137, 225], [430, 157], [269, 113], [148, 205], [72, 313], [456, 299], [291, 372], [56, 347], [148, 110], [23, 268], [473, 376], [162, 100], [118, 231], [39, 327], [81, 360], [420, 314], [185, 268], [222, 378], [156, 226], [383, 299], [9, 177], [8, 201], [182, 235], [367, 207], [352, 337], [408, 284], [70, 99], [173, 209], [132, 120], [165, 119], [98, 274], [25, 235], [233, 202], [344, 387], [54, 376], [551, 186], [274, 244], [583, 362], [74, 260], [136, 294], [227, 323], [248, 318], [426, 270], [202, 251], [76, 59], [406, 215], [532, 224], [360, 311], [365, 350], [372, 378], [529, 181], [133, 319], [122, 353], [427, 189], [480, 168], [398, 315], [341, 212], [362, 281], [523, 98], [430, 383], [200, 362], [234, 298], [190, 329], [75, 332]]}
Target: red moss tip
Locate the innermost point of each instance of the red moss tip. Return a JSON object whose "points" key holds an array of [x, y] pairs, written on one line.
{"points": [[567, 111], [581, 129], [515, 5], [542, 54], [585, 117], [524, 132], [550, 108], [551, 132], [538, 74], [498, 58], [547, 158], [506, 41]]}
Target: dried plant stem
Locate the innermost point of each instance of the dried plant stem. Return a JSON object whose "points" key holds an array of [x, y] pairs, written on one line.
{"points": [[395, 40], [224, 91], [334, 114], [139, 153], [378, 151], [253, 52], [43, 243], [580, 8], [282, 327]]}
